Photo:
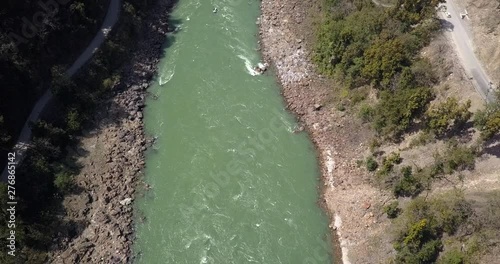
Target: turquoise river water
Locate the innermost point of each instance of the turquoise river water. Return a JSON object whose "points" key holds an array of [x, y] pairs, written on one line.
{"points": [[231, 182]]}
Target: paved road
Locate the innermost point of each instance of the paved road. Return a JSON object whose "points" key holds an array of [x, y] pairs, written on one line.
{"points": [[463, 44], [25, 136]]}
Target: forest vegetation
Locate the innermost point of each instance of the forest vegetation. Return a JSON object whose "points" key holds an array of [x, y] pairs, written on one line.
{"points": [[31, 64]]}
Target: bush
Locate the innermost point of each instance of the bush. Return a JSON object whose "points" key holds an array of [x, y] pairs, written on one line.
{"points": [[4, 134], [366, 113], [488, 120], [420, 244], [56, 135], [452, 257], [374, 144], [384, 59], [64, 182], [429, 251], [392, 210], [341, 107], [407, 185], [454, 158], [358, 95], [457, 158], [396, 111], [73, 121], [389, 162], [447, 116], [423, 224], [108, 83], [394, 158], [450, 211], [371, 164]]}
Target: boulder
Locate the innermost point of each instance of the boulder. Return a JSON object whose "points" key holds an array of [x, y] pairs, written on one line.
{"points": [[126, 201]]}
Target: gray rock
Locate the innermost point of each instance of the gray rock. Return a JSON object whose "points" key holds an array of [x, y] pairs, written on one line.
{"points": [[126, 201]]}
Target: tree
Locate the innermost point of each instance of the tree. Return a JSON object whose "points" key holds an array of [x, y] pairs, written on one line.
{"points": [[371, 164], [4, 136], [407, 185], [384, 59], [63, 181], [57, 136], [413, 11], [396, 111], [447, 116], [488, 120], [452, 257], [392, 210], [73, 121], [420, 244], [62, 86]]}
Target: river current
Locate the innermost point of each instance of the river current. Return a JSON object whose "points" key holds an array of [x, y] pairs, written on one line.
{"points": [[230, 180]]}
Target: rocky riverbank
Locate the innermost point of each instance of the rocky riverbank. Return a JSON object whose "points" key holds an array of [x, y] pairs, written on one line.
{"points": [[111, 156], [359, 230]]}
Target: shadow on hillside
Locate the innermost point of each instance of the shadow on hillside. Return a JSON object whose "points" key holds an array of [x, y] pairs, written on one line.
{"points": [[492, 146], [446, 25], [463, 133]]}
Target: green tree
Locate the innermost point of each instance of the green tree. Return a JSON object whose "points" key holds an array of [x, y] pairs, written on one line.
{"points": [[413, 11], [420, 244], [371, 164], [396, 111], [488, 120], [73, 121], [63, 181], [407, 184], [455, 158], [57, 136], [452, 257], [62, 86], [4, 135], [447, 116], [384, 59], [392, 210]]}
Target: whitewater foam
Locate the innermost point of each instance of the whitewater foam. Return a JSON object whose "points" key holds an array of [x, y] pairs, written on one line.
{"points": [[248, 65], [167, 77]]}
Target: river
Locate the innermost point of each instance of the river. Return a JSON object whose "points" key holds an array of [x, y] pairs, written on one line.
{"points": [[230, 180]]}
